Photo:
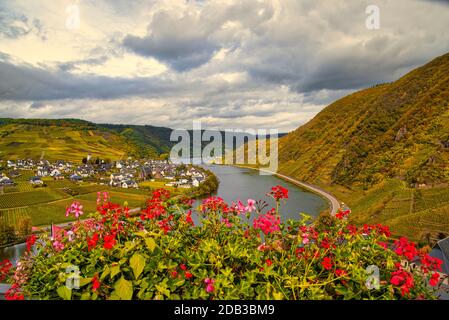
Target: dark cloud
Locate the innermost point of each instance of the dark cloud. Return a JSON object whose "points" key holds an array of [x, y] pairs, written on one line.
{"points": [[179, 43], [37, 105], [26, 82]]}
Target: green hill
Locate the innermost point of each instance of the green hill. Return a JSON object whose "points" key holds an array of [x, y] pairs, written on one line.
{"points": [[72, 139], [384, 151], [69, 139]]}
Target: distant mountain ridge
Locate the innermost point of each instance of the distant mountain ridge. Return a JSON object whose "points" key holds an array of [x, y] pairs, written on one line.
{"points": [[69, 138]]}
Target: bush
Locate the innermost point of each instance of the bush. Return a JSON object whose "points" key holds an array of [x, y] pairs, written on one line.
{"points": [[163, 255]]}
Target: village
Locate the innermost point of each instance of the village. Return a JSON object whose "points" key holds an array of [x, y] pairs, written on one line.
{"points": [[126, 174]]}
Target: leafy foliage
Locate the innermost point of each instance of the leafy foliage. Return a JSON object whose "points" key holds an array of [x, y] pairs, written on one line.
{"points": [[164, 255]]}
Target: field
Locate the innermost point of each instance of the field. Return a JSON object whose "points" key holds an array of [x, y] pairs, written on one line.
{"points": [[47, 204], [23, 199], [45, 214]]}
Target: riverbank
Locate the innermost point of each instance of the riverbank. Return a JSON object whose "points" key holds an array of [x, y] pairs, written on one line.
{"points": [[334, 204]]}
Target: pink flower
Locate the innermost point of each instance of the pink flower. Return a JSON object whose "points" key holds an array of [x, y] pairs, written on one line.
{"points": [[262, 247], [209, 285], [59, 246], [240, 207], [251, 205], [76, 209]]}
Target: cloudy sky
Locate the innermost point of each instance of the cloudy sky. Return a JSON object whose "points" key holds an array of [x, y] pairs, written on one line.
{"points": [[231, 64]]}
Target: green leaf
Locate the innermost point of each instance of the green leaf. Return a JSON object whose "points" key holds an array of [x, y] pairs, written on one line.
{"points": [[65, 293], [124, 289], [85, 296], [114, 271], [151, 244], [137, 263], [105, 273], [85, 281]]}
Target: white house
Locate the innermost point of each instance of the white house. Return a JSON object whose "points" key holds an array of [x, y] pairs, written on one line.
{"points": [[36, 181], [55, 172], [129, 184]]}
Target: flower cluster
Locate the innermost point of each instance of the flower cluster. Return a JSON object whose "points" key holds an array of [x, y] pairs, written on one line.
{"points": [[155, 205], [402, 279], [342, 213], [279, 192], [214, 204], [267, 223], [163, 254], [5, 267], [405, 248]]}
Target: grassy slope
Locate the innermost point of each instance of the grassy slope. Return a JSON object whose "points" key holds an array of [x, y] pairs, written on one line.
{"points": [[351, 148], [58, 141]]}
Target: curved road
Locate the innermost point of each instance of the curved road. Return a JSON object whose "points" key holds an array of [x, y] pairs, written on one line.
{"points": [[334, 204]]}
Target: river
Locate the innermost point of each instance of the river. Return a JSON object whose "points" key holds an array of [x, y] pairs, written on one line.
{"points": [[240, 184]]}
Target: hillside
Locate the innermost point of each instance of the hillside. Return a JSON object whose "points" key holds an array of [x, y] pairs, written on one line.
{"points": [[68, 139], [383, 150]]}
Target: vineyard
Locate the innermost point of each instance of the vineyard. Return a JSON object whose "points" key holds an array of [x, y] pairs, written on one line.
{"points": [[23, 199], [15, 225]]}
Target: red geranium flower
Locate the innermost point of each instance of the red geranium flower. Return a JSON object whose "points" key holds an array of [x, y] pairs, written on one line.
{"points": [[341, 214], [92, 242], [406, 248], [31, 241], [188, 275], [327, 263], [5, 266], [189, 219], [435, 279], [268, 262], [95, 283], [402, 279], [109, 242], [341, 273], [279, 192]]}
